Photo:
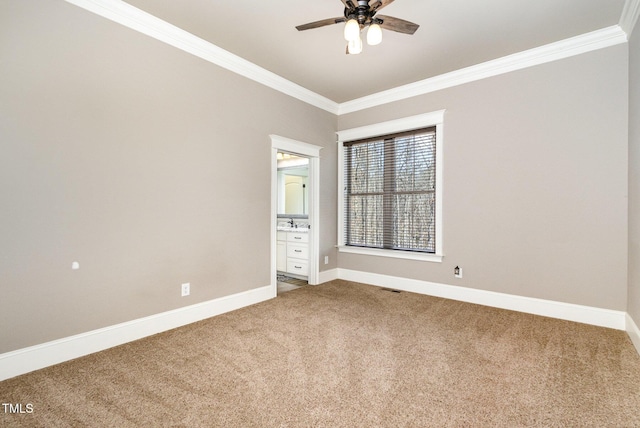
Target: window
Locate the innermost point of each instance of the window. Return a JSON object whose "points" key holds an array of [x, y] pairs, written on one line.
{"points": [[390, 189]]}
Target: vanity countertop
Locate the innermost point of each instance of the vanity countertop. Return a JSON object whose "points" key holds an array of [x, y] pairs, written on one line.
{"points": [[293, 229]]}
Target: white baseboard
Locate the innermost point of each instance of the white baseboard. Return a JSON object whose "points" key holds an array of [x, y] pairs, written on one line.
{"points": [[327, 275], [25, 360], [548, 308], [634, 332]]}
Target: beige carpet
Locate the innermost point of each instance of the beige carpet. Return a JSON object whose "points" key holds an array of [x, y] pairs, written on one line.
{"points": [[347, 355]]}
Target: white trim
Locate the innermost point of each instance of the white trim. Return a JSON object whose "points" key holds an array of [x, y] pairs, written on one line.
{"points": [[327, 275], [314, 218], [435, 118], [274, 218], [392, 126], [25, 360], [294, 146], [588, 42], [629, 17], [313, 152], [548, 308], [145, 23], [123, 13], [634, 332], [379, 252]]}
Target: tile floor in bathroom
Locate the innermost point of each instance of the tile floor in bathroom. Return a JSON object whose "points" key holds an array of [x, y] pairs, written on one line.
{"points": [[286, 283]]}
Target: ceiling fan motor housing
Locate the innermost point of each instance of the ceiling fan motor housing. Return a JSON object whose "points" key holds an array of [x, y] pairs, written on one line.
{"points": [[362, 12]]}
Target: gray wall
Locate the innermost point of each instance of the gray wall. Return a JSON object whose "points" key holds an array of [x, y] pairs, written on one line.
{"points": [[148, 166], [535, 182], [139, 161], [634, 176]]}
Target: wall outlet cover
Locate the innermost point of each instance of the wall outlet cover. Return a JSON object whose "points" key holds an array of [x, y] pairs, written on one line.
{"points": [[186, 289]]}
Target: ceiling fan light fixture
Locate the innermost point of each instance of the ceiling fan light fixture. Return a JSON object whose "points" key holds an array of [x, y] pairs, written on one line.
{"points": [[355, 46], [351, 30], [374, 34], [357, 15]]}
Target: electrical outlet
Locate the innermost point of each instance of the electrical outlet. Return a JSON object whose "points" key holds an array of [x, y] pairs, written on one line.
{"points": [[457, 272], [186, 289], [326, 260]]}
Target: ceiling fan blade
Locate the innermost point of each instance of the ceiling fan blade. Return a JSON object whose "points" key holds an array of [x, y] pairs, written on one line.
{"points": [[349, 4], [379, 4], [321, 23], [397, 24]]}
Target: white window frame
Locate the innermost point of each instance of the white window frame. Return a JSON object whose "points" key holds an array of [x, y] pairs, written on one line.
{"points": [[426, 120]]}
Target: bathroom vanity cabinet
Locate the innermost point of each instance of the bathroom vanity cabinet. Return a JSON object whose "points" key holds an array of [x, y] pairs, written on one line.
{"points": [[293, 253]]}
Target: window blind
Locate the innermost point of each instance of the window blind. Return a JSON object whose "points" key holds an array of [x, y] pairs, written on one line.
{"points": [[389, 193]]}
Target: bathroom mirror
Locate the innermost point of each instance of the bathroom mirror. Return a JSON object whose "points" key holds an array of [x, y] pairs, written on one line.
{"points": [[293, 183]]}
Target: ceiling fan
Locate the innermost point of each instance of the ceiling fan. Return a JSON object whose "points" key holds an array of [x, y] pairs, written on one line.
{"points": [[363, 13]]}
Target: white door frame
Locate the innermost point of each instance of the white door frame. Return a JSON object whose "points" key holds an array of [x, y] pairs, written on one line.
{"points": [[313, 153]]}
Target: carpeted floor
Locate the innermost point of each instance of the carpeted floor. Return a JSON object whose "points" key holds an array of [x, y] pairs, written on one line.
{"points": [[346, 355]]}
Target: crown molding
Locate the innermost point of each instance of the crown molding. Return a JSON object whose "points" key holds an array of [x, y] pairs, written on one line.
{"points": [[145, 23], [629, 17], [599, 39]]}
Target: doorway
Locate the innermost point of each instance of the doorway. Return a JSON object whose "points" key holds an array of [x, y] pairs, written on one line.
{"points": [[307, 201]]}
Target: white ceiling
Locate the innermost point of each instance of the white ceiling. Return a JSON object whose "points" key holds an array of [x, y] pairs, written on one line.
{"points": [[453, 34]]}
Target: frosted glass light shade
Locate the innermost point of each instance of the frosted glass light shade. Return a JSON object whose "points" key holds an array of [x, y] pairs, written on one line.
{"points": [[355, 46], [351, 30], [374, 35]]}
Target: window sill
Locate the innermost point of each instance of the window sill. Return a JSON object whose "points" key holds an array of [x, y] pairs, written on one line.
{"points": [[407, 255]]}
